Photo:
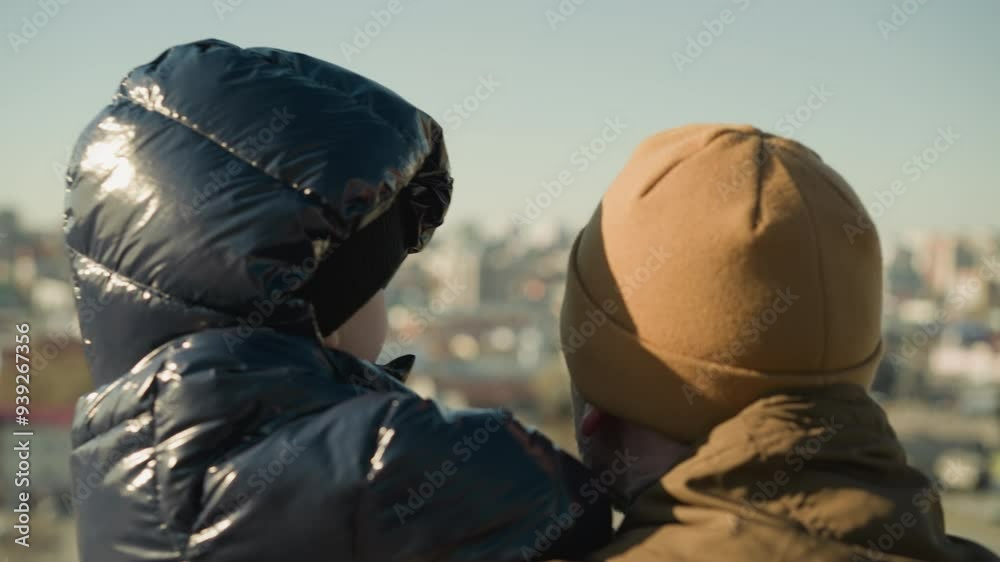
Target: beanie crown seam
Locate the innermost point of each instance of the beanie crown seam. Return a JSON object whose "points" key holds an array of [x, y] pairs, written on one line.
{"points": [[824, 173], [821, 274], [820, 271], [764, 170], [719, 134]]}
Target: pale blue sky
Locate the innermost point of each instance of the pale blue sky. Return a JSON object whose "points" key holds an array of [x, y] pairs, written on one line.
{"points": [[609, 59]]}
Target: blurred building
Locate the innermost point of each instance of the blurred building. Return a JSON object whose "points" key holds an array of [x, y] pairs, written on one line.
{"points": [[942, 310]]}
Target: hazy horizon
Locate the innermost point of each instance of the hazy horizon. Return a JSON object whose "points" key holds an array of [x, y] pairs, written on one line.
{"points": [[866, 84]]}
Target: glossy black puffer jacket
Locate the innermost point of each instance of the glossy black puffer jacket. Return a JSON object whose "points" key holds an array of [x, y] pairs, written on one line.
{"points": [[198, 202]]}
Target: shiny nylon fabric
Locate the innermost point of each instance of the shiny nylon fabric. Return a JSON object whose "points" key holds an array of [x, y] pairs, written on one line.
{"points": [[217, 179], [198, 204], [271, 448]]}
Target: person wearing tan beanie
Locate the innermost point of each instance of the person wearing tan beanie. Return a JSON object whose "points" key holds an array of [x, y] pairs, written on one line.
{"points": [[721, 325]]}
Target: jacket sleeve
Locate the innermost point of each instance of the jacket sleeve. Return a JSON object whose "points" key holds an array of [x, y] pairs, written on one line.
{"points": [[474, 485]]}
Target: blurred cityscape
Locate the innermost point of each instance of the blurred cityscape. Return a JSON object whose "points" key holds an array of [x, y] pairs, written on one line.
{"points": [[480, 309]]}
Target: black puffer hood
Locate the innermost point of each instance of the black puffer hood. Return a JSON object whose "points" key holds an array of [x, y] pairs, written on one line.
{"points": [[219, 178]]}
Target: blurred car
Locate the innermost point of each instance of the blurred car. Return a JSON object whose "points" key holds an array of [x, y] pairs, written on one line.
{"points": [[964, 466], [975, 401]]}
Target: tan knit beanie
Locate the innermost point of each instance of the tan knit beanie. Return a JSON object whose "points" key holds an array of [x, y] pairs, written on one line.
{"points": [[720, 266]]}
